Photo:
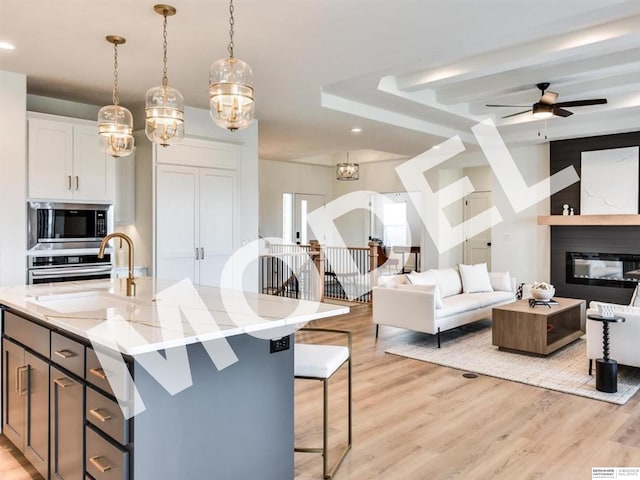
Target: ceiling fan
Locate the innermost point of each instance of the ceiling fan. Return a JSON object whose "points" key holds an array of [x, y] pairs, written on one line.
{"points": [[546, 108]]}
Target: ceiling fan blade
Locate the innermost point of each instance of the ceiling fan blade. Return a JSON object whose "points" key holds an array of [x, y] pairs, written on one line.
{"points": [[581, 103], [561, 112], [548, 98], [514, 114], [519, 106]]}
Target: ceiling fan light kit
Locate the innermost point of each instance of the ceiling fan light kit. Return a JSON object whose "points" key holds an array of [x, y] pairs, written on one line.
{"points": [[547, 107], [542, 111]]}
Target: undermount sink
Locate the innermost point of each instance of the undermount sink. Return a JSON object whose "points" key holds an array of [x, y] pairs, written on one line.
{"points": [[81, 302]]}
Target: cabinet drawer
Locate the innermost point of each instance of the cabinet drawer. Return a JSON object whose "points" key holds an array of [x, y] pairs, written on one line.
{"points": [[106, 415], [104, 460], [96, 373], [27, 333], [67, 353]]}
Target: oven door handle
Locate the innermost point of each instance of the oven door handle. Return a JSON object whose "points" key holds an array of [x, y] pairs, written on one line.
{"points": [[61, 272]]}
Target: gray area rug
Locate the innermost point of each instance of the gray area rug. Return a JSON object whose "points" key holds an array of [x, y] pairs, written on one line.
{"points": [[565, 370]]}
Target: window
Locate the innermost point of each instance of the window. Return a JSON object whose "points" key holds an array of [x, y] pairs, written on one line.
{"points": [[287, 218], [394, 218]]}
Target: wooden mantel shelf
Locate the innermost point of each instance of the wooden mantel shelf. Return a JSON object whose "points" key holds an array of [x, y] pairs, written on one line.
{"points": [[571, 220]]}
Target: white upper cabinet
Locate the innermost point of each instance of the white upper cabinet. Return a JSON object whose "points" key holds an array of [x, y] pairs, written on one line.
{"points": [[65, 161]]}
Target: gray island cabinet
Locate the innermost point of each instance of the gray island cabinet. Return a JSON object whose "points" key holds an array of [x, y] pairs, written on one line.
{"points": [[203, 393]]}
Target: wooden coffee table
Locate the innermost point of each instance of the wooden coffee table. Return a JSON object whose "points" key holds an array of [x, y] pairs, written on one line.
{"points": [[539, 330]]}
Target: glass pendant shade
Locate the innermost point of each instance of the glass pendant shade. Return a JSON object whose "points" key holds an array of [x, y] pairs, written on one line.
{"points": [[231, 93], [347, 171], [115, 130], [164, 113]]}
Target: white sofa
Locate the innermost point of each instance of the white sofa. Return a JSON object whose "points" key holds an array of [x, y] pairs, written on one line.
{"points": [[623, 337], [439, 300]]}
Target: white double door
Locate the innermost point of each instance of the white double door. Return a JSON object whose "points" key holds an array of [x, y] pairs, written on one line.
{"points": [[194, 222]]}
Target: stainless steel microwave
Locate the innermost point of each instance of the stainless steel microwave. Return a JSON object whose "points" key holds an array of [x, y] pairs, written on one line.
{"points": [[68, 225]]}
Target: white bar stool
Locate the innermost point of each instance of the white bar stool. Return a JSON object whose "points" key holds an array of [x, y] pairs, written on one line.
{"points": [[320, 362]]}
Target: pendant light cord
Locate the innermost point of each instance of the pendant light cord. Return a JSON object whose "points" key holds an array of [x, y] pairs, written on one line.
{"points": [[116, 98], [165, 79], [231, 23]]}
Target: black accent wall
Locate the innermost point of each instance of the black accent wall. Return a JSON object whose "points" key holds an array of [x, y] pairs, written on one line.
{"points": [[602, 239]]}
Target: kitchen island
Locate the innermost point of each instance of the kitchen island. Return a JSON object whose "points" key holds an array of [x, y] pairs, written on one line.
{"points": [[180, 381]]}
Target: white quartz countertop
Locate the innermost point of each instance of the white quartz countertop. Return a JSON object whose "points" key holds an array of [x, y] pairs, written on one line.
{"points": [[163, 314]]}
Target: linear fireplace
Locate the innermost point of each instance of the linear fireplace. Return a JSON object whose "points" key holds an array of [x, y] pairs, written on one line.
{"points": [[603, 269]]}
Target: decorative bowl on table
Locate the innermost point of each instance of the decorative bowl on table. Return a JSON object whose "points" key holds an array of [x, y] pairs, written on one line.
{"points": [[543, 291]]}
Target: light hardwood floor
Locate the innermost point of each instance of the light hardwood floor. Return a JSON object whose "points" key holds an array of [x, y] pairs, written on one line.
{"points": [[418, 421]]}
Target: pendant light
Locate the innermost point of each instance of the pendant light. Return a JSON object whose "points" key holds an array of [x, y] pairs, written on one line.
{"points": [[164, 107], [115, 122], [347, 171], [231, 88]]}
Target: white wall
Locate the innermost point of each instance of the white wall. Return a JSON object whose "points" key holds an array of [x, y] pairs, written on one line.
{"points": [[13, 178], [520, 245], [276, 178]]}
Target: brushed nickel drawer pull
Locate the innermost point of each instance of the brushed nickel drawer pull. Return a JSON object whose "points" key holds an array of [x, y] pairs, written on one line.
{"points": [[69, 177], [65, 353], [64, 382], [98, 372], [77, 182], [95, 461], [103, 417]]}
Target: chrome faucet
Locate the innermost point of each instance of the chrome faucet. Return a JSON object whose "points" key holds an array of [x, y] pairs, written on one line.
{"points": [[131, 284]]}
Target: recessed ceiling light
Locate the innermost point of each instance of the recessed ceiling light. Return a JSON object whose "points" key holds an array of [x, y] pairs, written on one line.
{"points": [[356, 130], [6, 46], [436, 147]]}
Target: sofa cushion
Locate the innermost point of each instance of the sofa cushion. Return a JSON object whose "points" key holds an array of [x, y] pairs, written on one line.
{"points": [[457, 304], [501, 281], [424, 288], [475, 278], [448, 281], [486, 299]]}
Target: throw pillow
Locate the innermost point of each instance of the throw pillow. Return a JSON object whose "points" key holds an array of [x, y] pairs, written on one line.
{"points": [[475, 278], [390, 280], [422, 278], [635, 298], [500, 281], [437, 300], [448, 281]]}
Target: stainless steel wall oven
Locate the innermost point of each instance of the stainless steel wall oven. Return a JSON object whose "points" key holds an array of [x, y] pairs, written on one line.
{"points": [[64, 239], [65, 268]]}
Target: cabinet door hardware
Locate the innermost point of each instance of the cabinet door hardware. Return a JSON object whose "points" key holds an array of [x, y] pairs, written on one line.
{"points": [[77, 183], [201, 253], [64, 382], [98, 372], [65, 353], [95, 461], [69, 178], [103, 417], [20, 388]]}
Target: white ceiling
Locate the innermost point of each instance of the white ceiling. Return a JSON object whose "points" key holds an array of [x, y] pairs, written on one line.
{"points": [[411, 73]]}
